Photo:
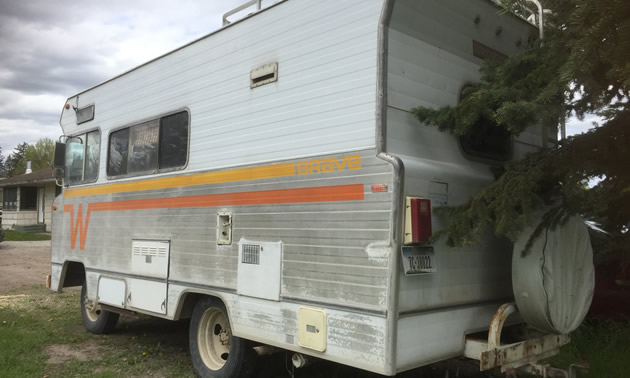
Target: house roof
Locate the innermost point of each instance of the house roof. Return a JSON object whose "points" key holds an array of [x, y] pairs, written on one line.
{"points": [[40, 176]]}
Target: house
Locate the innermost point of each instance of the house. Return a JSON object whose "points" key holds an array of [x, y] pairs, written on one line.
{"points": [[26, 200]]}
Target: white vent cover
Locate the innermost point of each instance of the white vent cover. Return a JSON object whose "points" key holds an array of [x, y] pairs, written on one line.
{"points": [[259, 269], [150, 258], [250, 254], [263, 75]]}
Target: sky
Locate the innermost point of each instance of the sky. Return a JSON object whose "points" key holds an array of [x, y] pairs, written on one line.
{"points": [[51, 50]]}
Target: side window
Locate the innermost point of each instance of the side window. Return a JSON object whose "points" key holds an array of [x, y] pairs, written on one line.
{"points": [[174, 140], [151, 146], [82, 157], [92, 154], [486, 140], [118, 153]]}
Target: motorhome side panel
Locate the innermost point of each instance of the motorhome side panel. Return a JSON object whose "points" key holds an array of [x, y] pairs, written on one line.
{"points": [[430, 59], [291, 165], [322, 102]]}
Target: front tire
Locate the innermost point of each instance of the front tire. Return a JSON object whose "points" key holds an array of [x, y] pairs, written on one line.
{"points": [[95, 319], [215, 352]]}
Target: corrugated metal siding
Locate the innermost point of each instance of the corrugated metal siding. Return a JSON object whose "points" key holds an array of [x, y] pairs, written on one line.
{"points": [[323, 102], [325, 256]]}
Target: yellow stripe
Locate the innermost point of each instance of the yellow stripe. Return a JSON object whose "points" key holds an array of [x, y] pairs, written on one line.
{"points": [[242, 174]]}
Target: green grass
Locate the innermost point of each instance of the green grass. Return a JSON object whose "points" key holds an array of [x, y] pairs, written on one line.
{"points": [[24, 236], [35, 324], [606, 345]]}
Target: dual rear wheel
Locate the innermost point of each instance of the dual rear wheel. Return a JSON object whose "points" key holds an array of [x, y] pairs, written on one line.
{"points": [[215, 352]]}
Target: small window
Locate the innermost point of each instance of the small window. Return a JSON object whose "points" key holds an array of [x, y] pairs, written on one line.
{"points": [[9, 199], [82, 157], [150, 146], [118, 153], [174, 140], [143, 147], [28, 198], [486, 140]]}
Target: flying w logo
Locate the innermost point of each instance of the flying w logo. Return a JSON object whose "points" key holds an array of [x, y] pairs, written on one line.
{"points": [[78, 227]]}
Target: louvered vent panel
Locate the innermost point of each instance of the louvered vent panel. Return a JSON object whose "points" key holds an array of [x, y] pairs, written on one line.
{"points": [[251, 254]]}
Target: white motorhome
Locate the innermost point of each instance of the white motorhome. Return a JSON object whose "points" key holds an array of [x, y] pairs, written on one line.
{"points": [[269, 182]]}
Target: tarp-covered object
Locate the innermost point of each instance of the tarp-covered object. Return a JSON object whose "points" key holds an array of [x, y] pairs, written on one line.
{"points": [[553, 284]]}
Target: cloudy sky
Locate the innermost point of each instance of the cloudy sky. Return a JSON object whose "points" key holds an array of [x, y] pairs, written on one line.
{"points": [[53, 49]]}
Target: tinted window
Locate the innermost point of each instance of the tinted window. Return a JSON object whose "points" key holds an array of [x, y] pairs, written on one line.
{"points": [[144, 147], [82, 157], [173, 140], [28, 198], [487, 140], [161, 143], [118, 153], [92, 149]]}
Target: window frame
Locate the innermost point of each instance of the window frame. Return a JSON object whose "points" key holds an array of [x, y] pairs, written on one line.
{"points": [[140, 122], [474, 157], [67, 183]]}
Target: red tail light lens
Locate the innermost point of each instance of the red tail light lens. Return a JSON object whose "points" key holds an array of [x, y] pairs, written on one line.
{"points": [[418, 218]]}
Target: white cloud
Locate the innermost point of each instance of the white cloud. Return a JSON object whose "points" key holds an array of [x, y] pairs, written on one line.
{"points": [[52, 50]]}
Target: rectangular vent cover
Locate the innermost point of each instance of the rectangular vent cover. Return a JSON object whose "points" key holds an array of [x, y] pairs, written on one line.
{"points": [[251, 254], [143, 250], [85, 114], [263, 75]]}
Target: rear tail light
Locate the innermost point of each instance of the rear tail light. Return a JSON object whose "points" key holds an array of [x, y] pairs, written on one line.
{"points": [[417, 220]]}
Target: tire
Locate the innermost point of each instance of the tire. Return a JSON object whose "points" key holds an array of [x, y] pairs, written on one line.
{"points": [[215, 352], [96, 320]]}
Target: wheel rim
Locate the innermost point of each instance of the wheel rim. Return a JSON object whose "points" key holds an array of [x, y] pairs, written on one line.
{"points": [[214, 338], [92, 310]]}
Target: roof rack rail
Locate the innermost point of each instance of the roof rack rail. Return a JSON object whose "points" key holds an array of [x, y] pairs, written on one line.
{"points": [[248, 4]]}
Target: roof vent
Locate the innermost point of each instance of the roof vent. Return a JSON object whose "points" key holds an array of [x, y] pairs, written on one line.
{"points": [[28, 167]]}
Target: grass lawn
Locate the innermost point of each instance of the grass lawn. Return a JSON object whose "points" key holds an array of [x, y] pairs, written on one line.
{"points": [[605, 344], [41, 334], [24, 236]]}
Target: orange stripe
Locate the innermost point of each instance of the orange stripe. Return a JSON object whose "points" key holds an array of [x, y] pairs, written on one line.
{"points": [[233, 175], [268, 197]]}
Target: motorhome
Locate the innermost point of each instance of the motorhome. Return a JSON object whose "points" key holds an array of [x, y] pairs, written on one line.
{"points": [[269, 182]]}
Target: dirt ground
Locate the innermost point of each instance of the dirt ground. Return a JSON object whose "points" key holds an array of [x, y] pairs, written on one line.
{"points": [[23, 263]]}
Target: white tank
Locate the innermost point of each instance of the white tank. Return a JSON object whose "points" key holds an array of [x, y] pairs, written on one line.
{"points": [[553, 284]]}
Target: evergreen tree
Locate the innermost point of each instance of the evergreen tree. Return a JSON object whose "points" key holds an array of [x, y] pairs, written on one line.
{"points": [[581, 67], [2, 168], [15, 164]]}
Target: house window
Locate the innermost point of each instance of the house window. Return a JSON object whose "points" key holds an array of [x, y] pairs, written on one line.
{"points": [[149, 147], [82, 157], [28, 198], [9, 199]]}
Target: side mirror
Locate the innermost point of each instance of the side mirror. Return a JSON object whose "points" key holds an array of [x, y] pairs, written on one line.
{"points": [[59, 164]]}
